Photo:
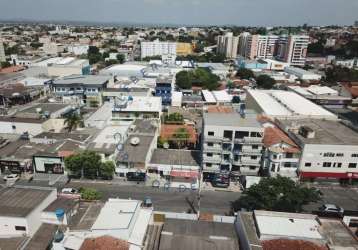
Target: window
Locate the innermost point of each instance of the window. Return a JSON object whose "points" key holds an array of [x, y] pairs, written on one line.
{"points": [[20, 228], [354, 155], [273, 168], [209, 154], [339, 155], [209, 165], [253, 157], [337, 165], [328, 154], [327, 164], [252, 167], [211, 133], [308, 164], [241, 134], [210, 144], [228, 134], [352, 165], [255, 147]]}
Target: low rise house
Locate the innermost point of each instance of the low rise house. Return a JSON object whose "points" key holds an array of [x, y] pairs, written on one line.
{"points": [[87, 89], [20, 210], [282, 154], [266, 230], [132, 108], [181, 168], [36, 118]]}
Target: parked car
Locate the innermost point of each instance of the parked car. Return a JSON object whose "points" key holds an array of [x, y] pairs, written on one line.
{"points": [[221, 180], [136, 176], [331, 210], [11, 177], [69, 191]]}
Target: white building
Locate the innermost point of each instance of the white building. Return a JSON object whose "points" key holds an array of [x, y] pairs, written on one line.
{"points": [[329, 148], [158, 48], [21, 208], [78, 49], [131, 108], [258, 46], [119, 218], [282, 154], [64, 66], [285, 104], [231, 142], [2, 52], [228, 45], [302, 74], [293, 49]]}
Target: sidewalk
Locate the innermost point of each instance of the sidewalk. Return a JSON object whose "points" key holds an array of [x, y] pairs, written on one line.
{"points": [[234, 187]]}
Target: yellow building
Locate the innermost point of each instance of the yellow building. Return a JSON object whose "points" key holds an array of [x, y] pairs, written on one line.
{"points": [[184, 49]]}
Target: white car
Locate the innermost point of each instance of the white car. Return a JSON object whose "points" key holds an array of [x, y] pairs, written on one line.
{"points": [[69, 191], [11, 177]]}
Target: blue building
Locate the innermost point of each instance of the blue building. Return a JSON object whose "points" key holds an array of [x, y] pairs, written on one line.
{"points": [[164, 89]]}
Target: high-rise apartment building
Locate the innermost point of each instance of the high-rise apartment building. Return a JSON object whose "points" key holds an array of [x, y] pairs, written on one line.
{"points": [[228, 45], [2, 52], [158, 48], [293, 49], [258, 46]]}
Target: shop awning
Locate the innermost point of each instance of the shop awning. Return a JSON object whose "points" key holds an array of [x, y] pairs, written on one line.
{"points": [[185, 174], [329, 175]]}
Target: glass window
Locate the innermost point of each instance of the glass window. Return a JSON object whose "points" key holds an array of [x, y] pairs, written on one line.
{"points": [[210, 144], [308, 164], [352, 165], [211, 133], [209, 154], [20, 228], [327, 164]]}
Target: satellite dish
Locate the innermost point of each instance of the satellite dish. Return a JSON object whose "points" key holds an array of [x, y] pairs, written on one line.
{"points": [[166, 145], [135, 141]]}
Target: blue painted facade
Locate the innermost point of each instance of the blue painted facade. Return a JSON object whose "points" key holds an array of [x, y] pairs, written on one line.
{"points": [[164, 90]]}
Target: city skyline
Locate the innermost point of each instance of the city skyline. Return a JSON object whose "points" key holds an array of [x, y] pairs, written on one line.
{"points": [[185, 12]]}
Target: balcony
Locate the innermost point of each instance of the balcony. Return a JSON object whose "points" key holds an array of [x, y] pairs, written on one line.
{"points": [[213, 139], [247, 162], [208, 149], [216, 160], [249, 140]]}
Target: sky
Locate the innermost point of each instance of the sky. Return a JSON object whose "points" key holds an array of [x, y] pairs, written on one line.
{"points": [[186, 12]]}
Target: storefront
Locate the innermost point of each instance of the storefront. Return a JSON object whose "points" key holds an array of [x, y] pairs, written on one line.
{"points": [[15, 166], [49, 164]]}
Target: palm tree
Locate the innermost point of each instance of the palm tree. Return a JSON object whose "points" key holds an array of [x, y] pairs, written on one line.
{"points": [[73, 121]]}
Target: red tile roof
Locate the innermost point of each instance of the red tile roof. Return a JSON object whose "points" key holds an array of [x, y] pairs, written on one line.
{"points": [[104, 243], [220, 109], [12, 69], [285, 244], [275, 135], [168, 130]]}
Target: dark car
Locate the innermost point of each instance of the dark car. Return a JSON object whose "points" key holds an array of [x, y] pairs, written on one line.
{"points": [[331, 210], [135, 176], [221, 180]]}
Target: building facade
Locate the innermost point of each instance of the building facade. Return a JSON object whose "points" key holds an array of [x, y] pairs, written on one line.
{"points": [[164, 89], [158, 48], [228, 45], [2, 52], [293, 49], [231, 142]]}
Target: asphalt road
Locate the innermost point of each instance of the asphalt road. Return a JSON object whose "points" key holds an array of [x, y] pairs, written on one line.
{"points": [[216, 202]]}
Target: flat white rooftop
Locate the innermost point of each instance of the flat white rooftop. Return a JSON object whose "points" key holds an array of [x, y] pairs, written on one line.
{"points": [[208, 96], [276, 224], [222, 96], [116, 214], [279, 103], [144, 104]]}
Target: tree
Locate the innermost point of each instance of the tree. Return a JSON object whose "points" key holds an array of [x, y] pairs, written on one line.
{"points": [[265, 82], [276, 194], [90, 194], [106, 170], [183, 80], [181, 136], [341, 74], [5, 64], [121, 58], [73, 121], [174, 118], [245, 73], [87, 163]]}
